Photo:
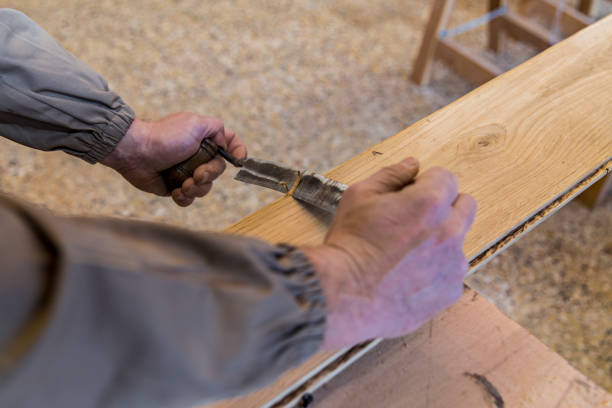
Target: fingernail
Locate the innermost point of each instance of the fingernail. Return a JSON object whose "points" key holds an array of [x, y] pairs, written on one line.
{"points": [[411, 161]]}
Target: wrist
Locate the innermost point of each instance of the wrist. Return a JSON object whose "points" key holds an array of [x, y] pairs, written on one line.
{"points": [[331, 268], [325, 261], [128, 152]]}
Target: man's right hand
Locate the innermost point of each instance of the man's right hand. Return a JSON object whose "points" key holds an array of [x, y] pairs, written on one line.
{"points": [[393, 257], [148, 148]]}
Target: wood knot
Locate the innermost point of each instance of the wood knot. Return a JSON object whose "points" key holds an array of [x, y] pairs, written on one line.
{"points": [[482, 141]]}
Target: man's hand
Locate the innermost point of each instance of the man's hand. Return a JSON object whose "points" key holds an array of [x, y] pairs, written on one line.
{"points": [[151, 147], [393, 257]]}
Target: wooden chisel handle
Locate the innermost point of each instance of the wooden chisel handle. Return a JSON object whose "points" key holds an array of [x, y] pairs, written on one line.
{"points": [[176, 175]]}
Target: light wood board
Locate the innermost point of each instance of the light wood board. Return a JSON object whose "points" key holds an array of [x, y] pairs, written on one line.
{"points": [[523, 144], [470, 338]]}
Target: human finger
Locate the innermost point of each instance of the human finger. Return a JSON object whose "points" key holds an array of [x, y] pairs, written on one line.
{"points": [[439, 184], [180, 199], [193, 190], [394, 177], [465, 207], [235, 146], [209, 171], [214, 129], [460, 218]]}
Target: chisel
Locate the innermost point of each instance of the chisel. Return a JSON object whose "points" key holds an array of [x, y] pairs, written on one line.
{"points": [[303, 185]]}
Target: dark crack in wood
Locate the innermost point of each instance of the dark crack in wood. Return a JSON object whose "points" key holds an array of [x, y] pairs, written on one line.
{"points": [[488, 387]]}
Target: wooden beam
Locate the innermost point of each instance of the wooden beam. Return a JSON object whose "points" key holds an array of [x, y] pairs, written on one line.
{"points": [[587, 7], [494, 39], [438, 19], [523, 144], [571, 19], [523, 29], [465, 62], [469, 356], [595, 195]]}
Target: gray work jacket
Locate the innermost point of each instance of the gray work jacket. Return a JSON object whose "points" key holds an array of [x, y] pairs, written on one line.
{"points": [[111, 313]]}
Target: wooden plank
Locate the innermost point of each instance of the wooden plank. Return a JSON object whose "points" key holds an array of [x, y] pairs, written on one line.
{"points": [[523, 29], [571, 19], [456, 352], [523, 144], [438, 19], [465, 62]]}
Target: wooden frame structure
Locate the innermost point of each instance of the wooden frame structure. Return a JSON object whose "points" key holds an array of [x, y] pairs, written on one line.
{"points": [[515, 24], [523, 145]]}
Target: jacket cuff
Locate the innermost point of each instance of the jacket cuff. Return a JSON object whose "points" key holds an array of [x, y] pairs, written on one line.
{"points": [[304, 284], [105, 139]]}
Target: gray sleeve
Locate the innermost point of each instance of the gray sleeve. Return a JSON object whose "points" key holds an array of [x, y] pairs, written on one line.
{"points": [[145, 315], [52, 101]]}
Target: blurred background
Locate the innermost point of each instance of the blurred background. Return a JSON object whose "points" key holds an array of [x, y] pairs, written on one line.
{"points": [[308, 83]]}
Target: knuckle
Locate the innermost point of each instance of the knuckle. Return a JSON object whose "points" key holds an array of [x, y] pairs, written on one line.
{"points": [[435, 197], [187, 184], [220, 166], [422, 207], [453, 230], [201, 175], [215, 124], [430, 200], [191, 118], [445, 175]]}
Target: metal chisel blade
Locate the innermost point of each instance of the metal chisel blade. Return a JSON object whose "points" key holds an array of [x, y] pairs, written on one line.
{"points": [[267, 174], [311, 187], [320, 191]]}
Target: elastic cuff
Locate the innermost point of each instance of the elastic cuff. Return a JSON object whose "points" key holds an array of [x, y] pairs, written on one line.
{"points": [[105, 140], [305, 285]]}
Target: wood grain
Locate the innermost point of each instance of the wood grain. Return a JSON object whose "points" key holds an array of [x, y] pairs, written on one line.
{"points": [[472, 337], [517, 144]]}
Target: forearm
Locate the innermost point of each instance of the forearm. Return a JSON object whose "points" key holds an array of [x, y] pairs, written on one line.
{"points": [[50, 99], [146, 315]]}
